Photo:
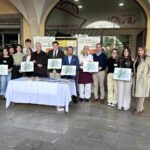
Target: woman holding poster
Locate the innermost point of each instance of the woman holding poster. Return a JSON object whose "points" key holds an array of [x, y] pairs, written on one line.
{"points": [[142, 79], [113, 62], [124, 87], [27, 58], [7, 60], [85, 78]]}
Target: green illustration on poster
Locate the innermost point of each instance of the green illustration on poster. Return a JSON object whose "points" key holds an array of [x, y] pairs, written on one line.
{"points": [[27, 66], [123, 74], [54, 63], [90, 67], [68, 70], [3, 69]]}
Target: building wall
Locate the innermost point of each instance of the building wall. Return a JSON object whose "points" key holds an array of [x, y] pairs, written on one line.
{"points": [[7, 8]]}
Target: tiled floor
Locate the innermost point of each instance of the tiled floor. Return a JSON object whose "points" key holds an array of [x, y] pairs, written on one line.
{"points": [[88, 126]]}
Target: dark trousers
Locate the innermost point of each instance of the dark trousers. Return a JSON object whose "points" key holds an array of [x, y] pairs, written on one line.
{"points": [[15, 72]]}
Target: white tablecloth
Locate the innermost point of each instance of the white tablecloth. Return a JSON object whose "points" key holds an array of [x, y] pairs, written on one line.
{"points": [[42, 92]]}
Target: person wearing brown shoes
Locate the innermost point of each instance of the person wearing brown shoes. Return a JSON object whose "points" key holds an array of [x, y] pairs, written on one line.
{"points": [[99, 77]]}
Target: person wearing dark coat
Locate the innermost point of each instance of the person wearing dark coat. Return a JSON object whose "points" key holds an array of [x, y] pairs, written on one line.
{"points": [[56, 53], [39, 59], [27, 58]]}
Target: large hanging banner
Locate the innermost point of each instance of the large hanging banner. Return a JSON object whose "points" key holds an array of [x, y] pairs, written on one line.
{"points": [[88, 41], [77, 43], [45, 41], [64, 42]]}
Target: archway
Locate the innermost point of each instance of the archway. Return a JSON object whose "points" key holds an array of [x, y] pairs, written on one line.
{"points": [[67, 18]]}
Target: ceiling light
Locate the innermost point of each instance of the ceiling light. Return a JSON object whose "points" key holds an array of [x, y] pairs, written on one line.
{"points": [[121, 4], [76, 0], [80, 6]]}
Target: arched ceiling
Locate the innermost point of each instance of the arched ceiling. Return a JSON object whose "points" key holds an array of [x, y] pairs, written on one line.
{"points": [[36, 11]]}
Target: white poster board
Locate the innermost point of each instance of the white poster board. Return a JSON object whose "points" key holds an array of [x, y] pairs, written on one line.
{"points": [[45, 41], [3, 69], [54, 63], [27, 66], [88, 41], [123, 74], [90, 66], [68, 70]]}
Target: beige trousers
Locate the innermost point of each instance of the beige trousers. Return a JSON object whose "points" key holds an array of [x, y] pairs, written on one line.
{"points": [[140, 104], [124, 94], [54, 74], [112, 89], [99, 80]]}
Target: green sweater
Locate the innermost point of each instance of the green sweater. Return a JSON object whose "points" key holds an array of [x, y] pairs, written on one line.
{"points": [[18, 58]]}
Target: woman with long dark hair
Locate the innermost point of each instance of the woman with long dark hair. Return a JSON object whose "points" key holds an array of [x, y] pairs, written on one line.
{"points": [[142, 79], [5, 59], [124, 87], [27, 58]]}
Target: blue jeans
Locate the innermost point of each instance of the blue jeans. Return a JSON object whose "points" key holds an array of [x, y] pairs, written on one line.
{"points": [[4, 79]]}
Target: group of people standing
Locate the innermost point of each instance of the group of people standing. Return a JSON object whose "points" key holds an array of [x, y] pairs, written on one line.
{"points": [[119, 92]]}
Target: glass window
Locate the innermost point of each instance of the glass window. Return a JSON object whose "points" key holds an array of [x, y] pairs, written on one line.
{"points": [[118, 42], [10, 39]]}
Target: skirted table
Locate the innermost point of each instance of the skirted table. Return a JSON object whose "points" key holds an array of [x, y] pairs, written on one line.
{"points": [[41, 91]]}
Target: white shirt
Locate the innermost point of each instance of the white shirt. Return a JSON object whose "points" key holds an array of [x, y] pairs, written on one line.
{"points": [[28, 58], [98, 53], [25, 50], [84, 58], [69, 59], [55, 53]]}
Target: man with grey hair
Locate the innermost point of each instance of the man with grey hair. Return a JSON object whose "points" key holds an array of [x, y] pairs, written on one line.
{"points": [[40, 61]]}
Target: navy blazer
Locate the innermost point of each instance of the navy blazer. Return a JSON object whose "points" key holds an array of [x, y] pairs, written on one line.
{"points": [[74, 61]]}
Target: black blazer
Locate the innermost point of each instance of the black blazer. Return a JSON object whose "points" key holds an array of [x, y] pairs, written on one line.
{"points": [[25, 58], [60, 55]]}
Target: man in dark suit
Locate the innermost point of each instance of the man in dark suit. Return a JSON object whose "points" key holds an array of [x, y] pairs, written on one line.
{"points": [[55, 54], [71, 60], [39, 59]]}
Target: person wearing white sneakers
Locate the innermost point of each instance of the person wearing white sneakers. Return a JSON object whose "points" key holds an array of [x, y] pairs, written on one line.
{"points": [[113, 62], [124, 87]]}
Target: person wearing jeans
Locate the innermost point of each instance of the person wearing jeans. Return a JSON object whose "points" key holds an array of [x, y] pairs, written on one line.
{"points": [[6, 59]]}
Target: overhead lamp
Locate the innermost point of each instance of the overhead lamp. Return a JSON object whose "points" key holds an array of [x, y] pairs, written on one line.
{"points": [[121, 4], [80, 6]]}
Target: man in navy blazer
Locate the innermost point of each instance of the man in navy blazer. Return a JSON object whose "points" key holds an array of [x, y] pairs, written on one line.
{"points": [[71, 60]]}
